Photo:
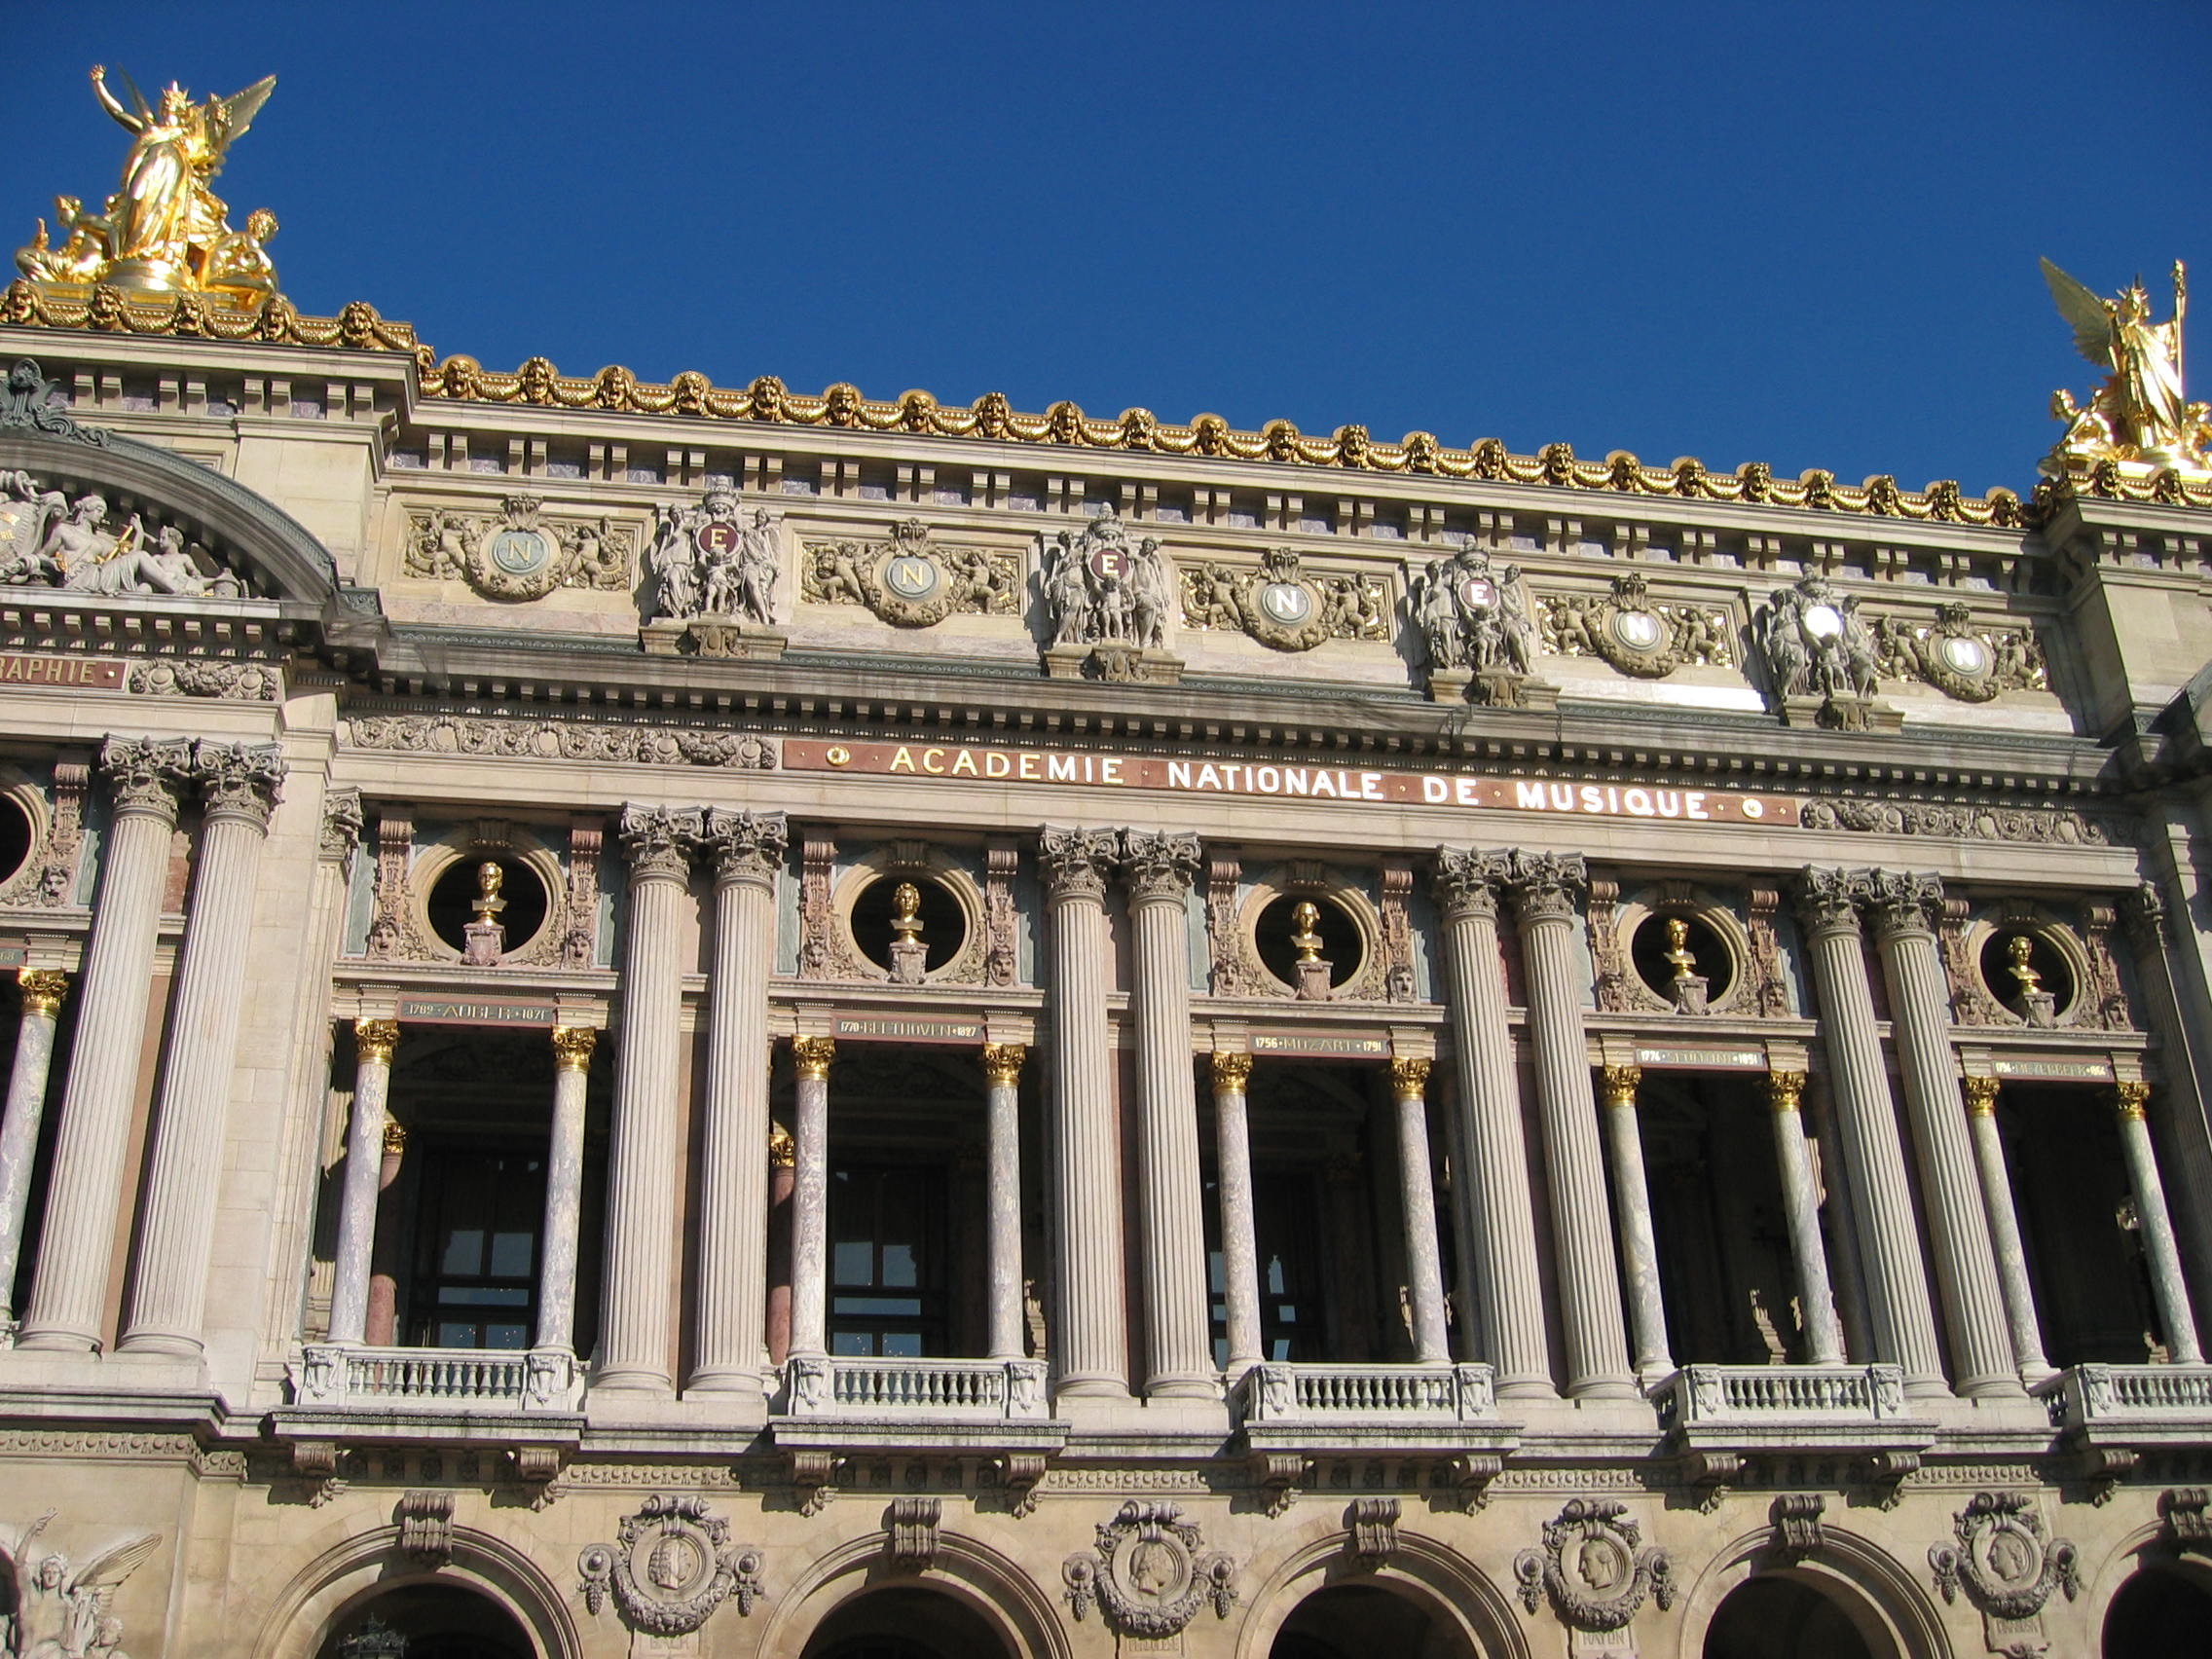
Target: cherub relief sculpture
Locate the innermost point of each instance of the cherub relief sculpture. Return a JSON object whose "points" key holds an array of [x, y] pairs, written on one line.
{"points": [[48, 541], [2141, 412], [60, 1612], [709, 560], [1471, 617], [1102, 589]]}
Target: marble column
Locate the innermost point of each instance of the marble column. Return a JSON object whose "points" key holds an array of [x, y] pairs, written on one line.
{"points": [[782, 1176], [1001, 1073], [1894, 1276], [374, 1041], [1920, 1011], [731, 1344], [638, 1292], [239, 785], [387, 1253], [1632, 1204], [92, 1144], [1090, 1335], [573, 1046], [2160, 1251], [1239, 1241], [1801, 1210], [810, 1196], [2162, 964], [1980, 1097], [1416, 1197], [1543, 887], [42, 989], [1159, 867], [1497, 1215]]}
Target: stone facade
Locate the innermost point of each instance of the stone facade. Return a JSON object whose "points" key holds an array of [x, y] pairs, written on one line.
{"points": [[699, 1021]]}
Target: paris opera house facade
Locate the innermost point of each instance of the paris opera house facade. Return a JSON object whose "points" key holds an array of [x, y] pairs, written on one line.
{"points": [[693, 1019]]}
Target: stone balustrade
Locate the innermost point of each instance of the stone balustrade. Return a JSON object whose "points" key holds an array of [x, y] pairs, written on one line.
{"points": [[947, 1391], [1273, 1392], [2149, 1395], [436, 1380], [1780, 1394]]}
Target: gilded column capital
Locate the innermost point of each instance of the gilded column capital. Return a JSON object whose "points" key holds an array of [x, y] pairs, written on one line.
{"points": [[1906, 901], [1232, 1073], [1980, 1095], [660, 841], [2129, 1098], [394, 1139], [783, 1150], [1617, 1084], [1409, 1078], [241, 781], [1828, 900], [1003, 1062], [1158, 865], [1466, 881], [342, 822], [746, 845], [573, 1046], [1545, 885], [146, 774], [1784, 1090], [43, 989], [375, 1040], [813, 1055], [1076, 861]]}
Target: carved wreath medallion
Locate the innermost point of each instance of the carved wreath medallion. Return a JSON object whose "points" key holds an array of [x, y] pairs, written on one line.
{"points": [[671, 1565], [1282, 608], [1593, 1567], [1960, 660], [515, 556], [1147, 1573], [2008, 1567], [1627, 630], [906, 581]]}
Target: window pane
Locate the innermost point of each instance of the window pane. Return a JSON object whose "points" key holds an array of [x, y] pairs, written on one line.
{"points": [[511, 1254], [854, 1264], [852, 1342], [898, 1266], [902, 1345], [505, 1335], [463, 1252]]}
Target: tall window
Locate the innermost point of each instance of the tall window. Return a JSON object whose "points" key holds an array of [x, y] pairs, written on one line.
{"points": [[1286, 1222], [476, 1257], [887, 1266]]}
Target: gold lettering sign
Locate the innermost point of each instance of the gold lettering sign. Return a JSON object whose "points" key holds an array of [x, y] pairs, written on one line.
{"points": [[910, 1030], [476, 1011], [985, 763], [60, 670], [1314, 1042]]}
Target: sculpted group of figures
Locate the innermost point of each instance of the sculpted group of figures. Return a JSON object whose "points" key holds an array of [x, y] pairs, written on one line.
{"points": [[709, 561], [60, 1612], [1101, 588], [48, 541]]}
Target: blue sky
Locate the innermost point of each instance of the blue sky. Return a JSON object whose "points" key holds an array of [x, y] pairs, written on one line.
{"points": [[1801, 233]]}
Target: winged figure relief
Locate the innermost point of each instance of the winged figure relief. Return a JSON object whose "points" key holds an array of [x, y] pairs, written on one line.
{"points": [[2141, 412], [64, 1612]]}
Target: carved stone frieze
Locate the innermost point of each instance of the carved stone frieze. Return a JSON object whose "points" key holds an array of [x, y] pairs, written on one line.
{"points": [[557, 740], [1633, 633], [47, 879], [2003, 1558], [1231, 972], [201, 677], [670, 1567], [2053, 825], [1959, 659], [1284, 609], [1149, 1573], [909, 583], [2101, 1003], [1593, 1567], [517, 553], [60, 1611]]}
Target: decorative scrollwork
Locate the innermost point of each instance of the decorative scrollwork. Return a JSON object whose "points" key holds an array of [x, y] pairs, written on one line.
{"points": [[1594, 1567], [1148, 1574], [2003, 1558]]}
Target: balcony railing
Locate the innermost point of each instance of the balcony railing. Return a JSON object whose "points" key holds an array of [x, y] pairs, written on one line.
{"points": [[943, 1390], [1308, 1393], [437, 1380], [1783, 1395], [2143, 1395]]}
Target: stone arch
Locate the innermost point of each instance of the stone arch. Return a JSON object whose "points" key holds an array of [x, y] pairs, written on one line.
{"points": [[1450, 1588], [1883, 1601], [1025, 1617], [368, 1564], [2145, 1546]]}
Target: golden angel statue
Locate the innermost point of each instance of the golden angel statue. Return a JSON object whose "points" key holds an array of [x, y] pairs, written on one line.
{"points": [[2141, 412], [163, 230]]}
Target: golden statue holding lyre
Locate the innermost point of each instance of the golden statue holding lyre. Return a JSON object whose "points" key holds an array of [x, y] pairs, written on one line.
{"points": [[2140, 415], [163, 230]]}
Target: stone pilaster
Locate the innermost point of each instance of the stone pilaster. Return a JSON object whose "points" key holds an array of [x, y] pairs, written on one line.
{"points": [[1866, 1123], [1159, 869], [731, 1342], [1416, 1199], [2160, 1252], [1980, 1097], [374, 1041], [1089, 1341], [76, 1246], [1919, 1010], [1240, 1243], [42, 990], [636, 1329], [573, 1046], [810, 1196], [1543, 886], [1002, 1076], [1801, 1208], [1631, 1202], [1497, 1214]]}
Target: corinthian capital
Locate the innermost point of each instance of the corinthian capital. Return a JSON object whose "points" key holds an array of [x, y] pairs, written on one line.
{"points": [[1159, 864], [747, 845], [1545, 885], [1829, 898], [1466, 882], [1908, 900], [144, 774], [239, 780], [1076, 860], [659, 839]]}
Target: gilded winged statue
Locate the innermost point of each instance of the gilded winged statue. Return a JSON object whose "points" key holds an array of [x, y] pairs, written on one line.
{"points": [[2141, 412], [163, 230]]}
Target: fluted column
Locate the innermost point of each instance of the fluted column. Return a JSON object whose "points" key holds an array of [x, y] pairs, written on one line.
{"points": [[637, 1298], [1089, 1341], [42, 990], [1496, 1213], [1239, 1243], [374, 1041], [1920, 1008], [1632, 1202], [1980, 1097], [77, 1242], [1001, 1073], [573, 1046], [1159, 867], [1543, 887], [1801, 1207], [1866, 1123], [1416, 1196], [731, 1339], [2152, 1216], [810, 1196]]}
